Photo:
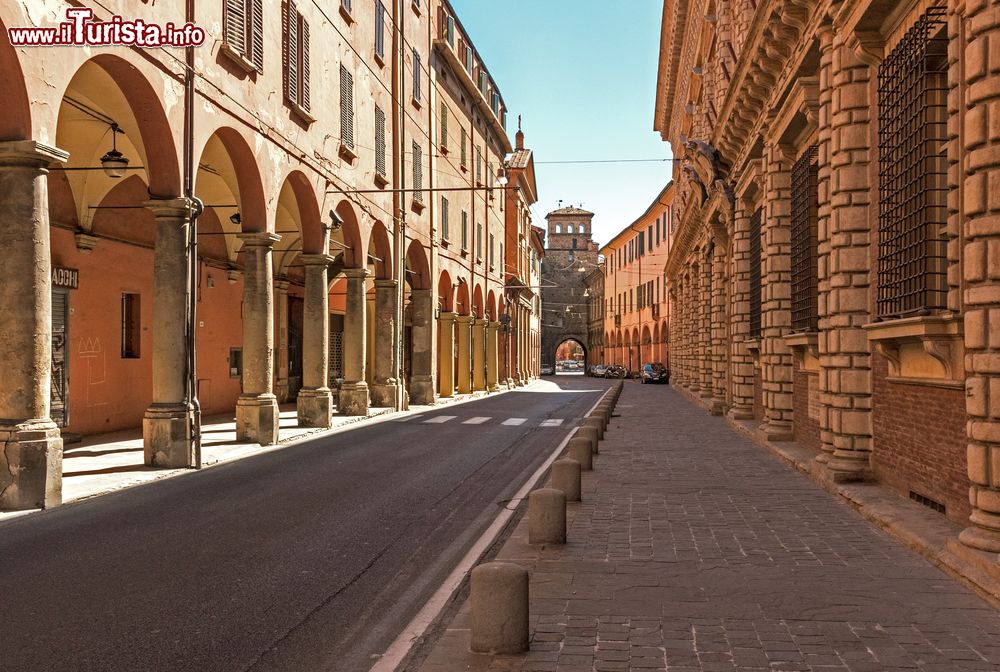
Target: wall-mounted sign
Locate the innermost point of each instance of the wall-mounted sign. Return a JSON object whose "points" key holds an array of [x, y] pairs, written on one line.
{"points": [[65, 277]]}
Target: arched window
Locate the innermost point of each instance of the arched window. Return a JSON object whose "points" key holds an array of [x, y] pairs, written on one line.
{"points": [[558, 228], [569, 228]]}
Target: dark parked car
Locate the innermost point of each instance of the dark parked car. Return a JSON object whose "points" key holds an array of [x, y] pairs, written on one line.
{"points": [[615, 371], [654, 373], [547, 370]]}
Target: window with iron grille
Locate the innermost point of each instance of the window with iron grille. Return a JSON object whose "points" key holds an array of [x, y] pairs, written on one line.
{"points": [[805, 215], [131, 325], [379, 29], [418, 173], [346, 107], [755, 225], [379, 141], [912, 110], [243, 30], [295, 51]]}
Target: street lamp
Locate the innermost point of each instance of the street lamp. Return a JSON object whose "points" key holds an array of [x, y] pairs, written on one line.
{"points": [[114, 163]]}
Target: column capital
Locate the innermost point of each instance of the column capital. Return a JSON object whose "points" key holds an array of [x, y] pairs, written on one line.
{"points": [[480, 322], [171, 208], [447, 316], [464, 319], [258, 238], [493, 325], [316, 259], [386, 283], [30, 154], [281, 284], [352, 273]]}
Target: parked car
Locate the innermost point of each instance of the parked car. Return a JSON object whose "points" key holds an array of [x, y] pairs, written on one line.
{"points": [[547, 370], [615, 371], [598, 370], [654, 373]]}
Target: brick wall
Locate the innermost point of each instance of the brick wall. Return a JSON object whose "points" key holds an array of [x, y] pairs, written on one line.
{"points": [[919, 436], [758, 395], [806, 429]]}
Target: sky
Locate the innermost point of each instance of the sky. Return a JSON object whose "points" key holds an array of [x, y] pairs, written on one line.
{"points": [[582, 73]]}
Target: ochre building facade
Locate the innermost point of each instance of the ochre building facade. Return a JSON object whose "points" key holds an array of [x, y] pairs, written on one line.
{"points": [[835, 274], [316, 198]]}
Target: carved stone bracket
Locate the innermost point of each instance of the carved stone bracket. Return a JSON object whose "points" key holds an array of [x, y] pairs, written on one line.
{"points": [[925, 349]]}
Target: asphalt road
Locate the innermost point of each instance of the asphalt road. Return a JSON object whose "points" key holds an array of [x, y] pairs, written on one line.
{"points": [[311, 557]]}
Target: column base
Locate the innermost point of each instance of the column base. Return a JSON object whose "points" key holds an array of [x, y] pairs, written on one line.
{"points": [[281, 390], [706, 393], [384, 393], [166, 437], [849, 467], [777, 432], [717, 407], [257, 419], [740, 413], [493, 388], [984, 532], [31, 465], [422, 390], [354, 399], [315, 407]]}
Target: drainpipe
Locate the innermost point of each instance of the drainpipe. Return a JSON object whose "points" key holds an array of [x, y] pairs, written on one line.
{"points": [[192, 285], [399, 197]]}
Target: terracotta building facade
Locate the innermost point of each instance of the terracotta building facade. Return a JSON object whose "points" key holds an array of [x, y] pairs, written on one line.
{"points": [[316, 198], [637, 308], [834, 276]]}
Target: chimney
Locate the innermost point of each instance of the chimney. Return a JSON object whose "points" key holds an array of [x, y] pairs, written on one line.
{"points": [[519, 138]]}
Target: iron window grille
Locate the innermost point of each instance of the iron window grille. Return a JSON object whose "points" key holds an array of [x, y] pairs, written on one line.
{"points": [[912, 111], [755, 226], [805, 220]]}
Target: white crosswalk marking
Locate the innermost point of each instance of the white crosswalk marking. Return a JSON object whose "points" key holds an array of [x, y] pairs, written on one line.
{"points": [[514, 421], [475, 421], [439, 419], [552, 422], [411, 417]]}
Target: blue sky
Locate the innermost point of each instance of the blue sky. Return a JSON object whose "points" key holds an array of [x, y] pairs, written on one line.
{"points": [[583, 75]]}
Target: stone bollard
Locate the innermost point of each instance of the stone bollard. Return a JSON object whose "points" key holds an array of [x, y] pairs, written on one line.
{"points": [[589, 432], [547, 516], [581, 451], [598, 422], [499, 598], [566, 477]]}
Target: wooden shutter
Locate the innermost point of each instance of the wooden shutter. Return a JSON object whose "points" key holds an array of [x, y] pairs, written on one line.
{"points": [[444, 124], [234, 25], [257, 34], [416, 75], [444, 218], [304, 55], [346, 107], [290, 28], [379, 29], [465, 148], [379, 141], [418, 173]]}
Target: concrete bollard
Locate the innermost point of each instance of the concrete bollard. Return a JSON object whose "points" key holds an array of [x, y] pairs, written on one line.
{"points": [[547, 516], [581, 451], [589, 432], [598, 422], [566, 477], [499, 598]]}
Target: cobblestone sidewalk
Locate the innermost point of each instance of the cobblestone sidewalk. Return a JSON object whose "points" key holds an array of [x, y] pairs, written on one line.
{"points": [[694, 549]]}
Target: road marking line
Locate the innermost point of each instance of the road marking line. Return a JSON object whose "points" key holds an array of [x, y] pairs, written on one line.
{"points": [[476, 421], [417, 627], [412, 417], [439, 419], [552, 422], [513, 422]]}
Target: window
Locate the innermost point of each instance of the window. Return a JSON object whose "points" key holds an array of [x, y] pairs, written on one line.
{"points": [[379, 141], [235, 362], [495, 104], [444, 218], [483, 82], [379, 29], [492, 251], [479, 165], [243, 30], [346, 107], [465, 149], [479, 241], [569, 228], [649, 237], [574, 243], [444, 126], [805, 207], [468, 59], [913, 114], [450, 31], [465, 231], [346, 4], [131, 325], [755, 279], [416, 75], [558, 228], [657, 230], [418, 173], [296, 56]]}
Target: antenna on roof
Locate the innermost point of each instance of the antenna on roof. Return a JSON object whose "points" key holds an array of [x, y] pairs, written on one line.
{"points": [[560, 203]]}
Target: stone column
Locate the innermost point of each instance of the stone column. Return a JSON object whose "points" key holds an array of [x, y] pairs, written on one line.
{"points": [[257, 417], [705, 325], [463, 332], [479, 354], [775, 296], [166, 426], [446, 353], [422, 338], [384, 387], [672, 362], [353, 398], [31, 458], [741, 371], [981, 109], [315, 402], [845, 377], [692, 320], [492, 356], [281, 332], [718, 304]]}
